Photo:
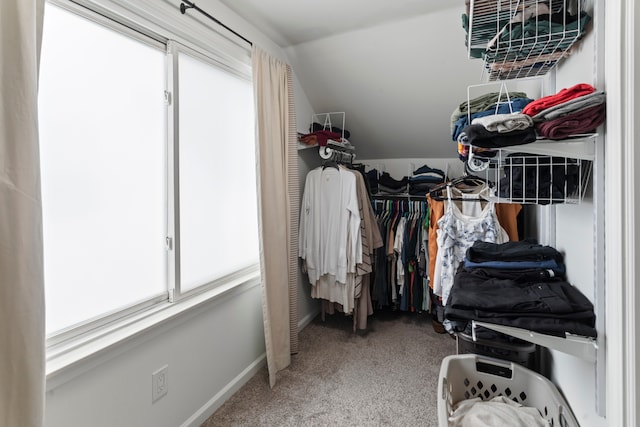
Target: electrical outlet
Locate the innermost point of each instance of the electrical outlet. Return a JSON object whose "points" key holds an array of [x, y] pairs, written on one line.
{"points": [[159, 383]]}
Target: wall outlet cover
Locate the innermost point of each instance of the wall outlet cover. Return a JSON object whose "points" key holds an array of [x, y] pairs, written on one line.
{"points": [[159, 383]]}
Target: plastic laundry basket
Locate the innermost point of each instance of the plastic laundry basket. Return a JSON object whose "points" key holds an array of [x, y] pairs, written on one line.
{"points": [[467, 376]]}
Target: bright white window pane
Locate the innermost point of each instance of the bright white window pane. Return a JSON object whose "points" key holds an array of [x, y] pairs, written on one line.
{"points": [[102, 145], [218, 207]]}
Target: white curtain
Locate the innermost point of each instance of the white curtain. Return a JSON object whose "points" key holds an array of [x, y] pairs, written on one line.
{"points": [[278, 207], [22, 368]]}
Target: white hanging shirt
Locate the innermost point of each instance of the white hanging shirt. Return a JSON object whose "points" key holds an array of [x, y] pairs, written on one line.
{"points": [[329, 223], [397, 246]]}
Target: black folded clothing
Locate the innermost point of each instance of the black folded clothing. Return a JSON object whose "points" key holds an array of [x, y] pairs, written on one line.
{"points": [[391, 183], [524, 250], [479, 136], [372, 179], [546, 307]]}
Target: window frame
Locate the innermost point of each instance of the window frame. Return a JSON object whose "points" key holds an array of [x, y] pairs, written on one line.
{"points": [[76, 342], [174, 50]]}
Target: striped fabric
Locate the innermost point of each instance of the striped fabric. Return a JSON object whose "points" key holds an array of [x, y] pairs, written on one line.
{"points": [[294, 203]]}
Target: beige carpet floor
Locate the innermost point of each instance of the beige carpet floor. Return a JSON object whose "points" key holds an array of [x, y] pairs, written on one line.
{"points": [[386, 376]]}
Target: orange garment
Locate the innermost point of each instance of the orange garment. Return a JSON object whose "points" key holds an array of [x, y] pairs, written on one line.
{"points": [[507, 214]]}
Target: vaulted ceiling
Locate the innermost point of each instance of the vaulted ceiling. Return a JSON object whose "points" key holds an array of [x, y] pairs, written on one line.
{"points": [[397, 68], [291, 22]]}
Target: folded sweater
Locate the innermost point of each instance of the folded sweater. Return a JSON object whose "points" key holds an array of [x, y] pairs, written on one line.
{"points": [[563, 95], [584, 121]]}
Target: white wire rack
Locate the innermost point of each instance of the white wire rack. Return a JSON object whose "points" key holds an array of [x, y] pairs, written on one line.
{"points": [[330, 120], [542, 173], [340, 151], [523, 38]]}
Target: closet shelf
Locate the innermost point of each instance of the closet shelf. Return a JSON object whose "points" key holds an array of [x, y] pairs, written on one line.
{"points": [[523, 38], [576, 345], [329, 149], [542, 172], [577, 147]]}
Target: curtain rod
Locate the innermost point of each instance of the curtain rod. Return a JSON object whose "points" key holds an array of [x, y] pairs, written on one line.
{"points": [[186, 4]]}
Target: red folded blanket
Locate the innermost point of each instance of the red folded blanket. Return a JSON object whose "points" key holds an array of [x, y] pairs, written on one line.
{"points": [[320, 137], [564, 95]]}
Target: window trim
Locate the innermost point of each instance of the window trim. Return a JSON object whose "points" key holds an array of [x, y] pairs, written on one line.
{"points": [[174, 50], [101, 321], [163, 21], [119, 25]]}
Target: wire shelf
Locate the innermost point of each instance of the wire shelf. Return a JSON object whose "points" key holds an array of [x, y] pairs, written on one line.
{"points": [[534, 178], [523, 38]]}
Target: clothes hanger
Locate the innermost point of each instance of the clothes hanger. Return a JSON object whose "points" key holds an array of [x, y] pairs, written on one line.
{"points": [[465, 183], [330, 164]]}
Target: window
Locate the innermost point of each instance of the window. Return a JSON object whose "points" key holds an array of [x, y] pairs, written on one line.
{"points": [[113, 224], [218, 226]]}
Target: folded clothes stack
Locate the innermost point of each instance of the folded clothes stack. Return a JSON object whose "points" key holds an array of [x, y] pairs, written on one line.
{"points": [[485, 107], [342, 132], [501, 105], [320, 137], [424, 179], [575, 110], [478, 135], [389, 185], [520, 284]]}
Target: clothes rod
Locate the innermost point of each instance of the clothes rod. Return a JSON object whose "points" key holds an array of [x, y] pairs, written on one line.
{"points": [[186, 4]]}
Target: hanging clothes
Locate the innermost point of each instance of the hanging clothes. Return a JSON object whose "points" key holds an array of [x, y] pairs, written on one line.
{"points": [[456, 233], [339, 233], [507, 216], [399, 282], [371, 240], [329, 234]]}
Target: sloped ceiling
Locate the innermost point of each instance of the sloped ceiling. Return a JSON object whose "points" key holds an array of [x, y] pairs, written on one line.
{"points": [[397, 69]]}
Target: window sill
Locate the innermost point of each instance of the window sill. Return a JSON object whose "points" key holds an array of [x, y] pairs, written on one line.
{"points": [[65, 361]]}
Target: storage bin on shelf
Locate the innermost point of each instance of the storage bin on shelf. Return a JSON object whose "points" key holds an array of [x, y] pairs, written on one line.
{"points": [[518, 351], [469, 376]]}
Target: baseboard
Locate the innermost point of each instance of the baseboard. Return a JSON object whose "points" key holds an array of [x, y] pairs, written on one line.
{"points": [[307, 319], [223, 395], [216, 401]]}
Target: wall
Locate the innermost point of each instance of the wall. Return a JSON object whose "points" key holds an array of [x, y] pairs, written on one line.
{"points": [[575, 236], [210, 351], [398, 168], [398, 82]]}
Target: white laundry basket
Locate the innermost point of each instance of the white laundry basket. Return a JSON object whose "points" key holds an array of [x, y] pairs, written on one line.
{"points": [[467, 376]]}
